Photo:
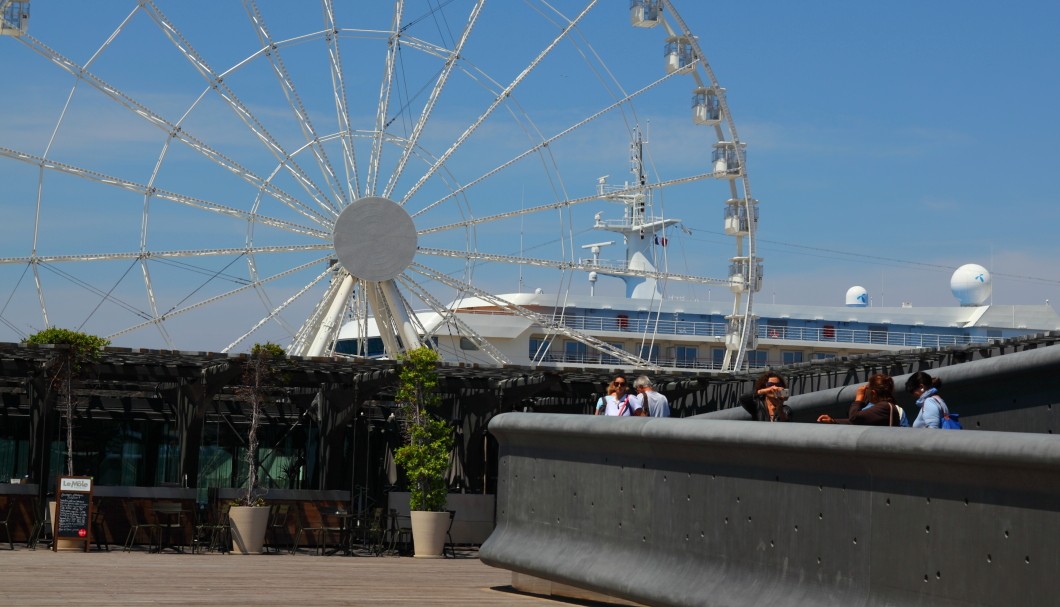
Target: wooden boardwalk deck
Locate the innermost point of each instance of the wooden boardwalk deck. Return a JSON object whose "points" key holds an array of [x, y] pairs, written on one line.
{"points": [[41, 577]]}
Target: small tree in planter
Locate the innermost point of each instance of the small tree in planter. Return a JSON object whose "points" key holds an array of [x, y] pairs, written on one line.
{"points": [[259, 374], [67, 371], [425, 454]]}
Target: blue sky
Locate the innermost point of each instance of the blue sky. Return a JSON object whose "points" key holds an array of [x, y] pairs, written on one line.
{"points": [[886, 145]]}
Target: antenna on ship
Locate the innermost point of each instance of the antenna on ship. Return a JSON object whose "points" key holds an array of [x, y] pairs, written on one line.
{"points": [[641, 230]]}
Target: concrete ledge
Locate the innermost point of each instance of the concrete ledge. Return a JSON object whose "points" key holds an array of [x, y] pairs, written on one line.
{"points": [[702, 512]]}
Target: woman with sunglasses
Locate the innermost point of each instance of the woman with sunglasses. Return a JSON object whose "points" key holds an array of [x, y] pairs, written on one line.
{"points": [[620, 404], [766, 403]]}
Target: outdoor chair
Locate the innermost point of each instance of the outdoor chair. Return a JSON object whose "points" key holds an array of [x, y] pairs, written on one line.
{"points": [[401, 534], [278, 525], [42, 524], [5, 521], [99, 526], [136, 523], [449, 537], [212, 530], [320, 532], [376, 538]]}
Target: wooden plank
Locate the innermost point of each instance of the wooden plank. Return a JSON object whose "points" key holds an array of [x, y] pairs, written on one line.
{"points": [[42, 577]]}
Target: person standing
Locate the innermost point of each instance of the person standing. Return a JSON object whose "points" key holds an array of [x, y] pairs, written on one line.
{"points": [[601, 404], [873, 405], [766, 403], [651, 401], [623, 404], [932, 408]]}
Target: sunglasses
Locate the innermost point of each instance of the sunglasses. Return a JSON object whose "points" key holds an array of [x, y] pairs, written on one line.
{"points": [[620, 383], [774, 383]]}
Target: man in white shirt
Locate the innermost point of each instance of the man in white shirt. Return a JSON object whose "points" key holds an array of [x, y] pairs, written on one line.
{"points": [[654, 403]]}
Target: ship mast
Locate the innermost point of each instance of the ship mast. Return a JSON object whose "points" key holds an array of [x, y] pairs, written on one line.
{"points": [[640, 228]]}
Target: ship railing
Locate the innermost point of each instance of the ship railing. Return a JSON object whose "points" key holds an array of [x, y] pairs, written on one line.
{"points": [[868, 336], [604, 264], [676, 328]]}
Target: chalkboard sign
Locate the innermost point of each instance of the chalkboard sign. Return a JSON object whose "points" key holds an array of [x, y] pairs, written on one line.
{"points": [[73, 510]]}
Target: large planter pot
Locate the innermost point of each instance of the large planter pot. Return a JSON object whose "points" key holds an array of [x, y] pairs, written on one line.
{"points": [[248, 525], [428, 533]]}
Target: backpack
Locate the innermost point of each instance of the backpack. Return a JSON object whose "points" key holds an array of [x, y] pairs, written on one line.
{"points": [[903, 421], [950, 421]]}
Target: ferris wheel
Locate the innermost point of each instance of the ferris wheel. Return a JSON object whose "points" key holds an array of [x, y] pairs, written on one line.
{"points": [[182, 177]]}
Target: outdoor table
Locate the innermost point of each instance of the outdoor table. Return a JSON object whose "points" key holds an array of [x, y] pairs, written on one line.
{"points": [[170, 517], [347, 520]]}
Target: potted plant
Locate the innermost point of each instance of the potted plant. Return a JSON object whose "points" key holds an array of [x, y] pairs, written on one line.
{"points": [[425, 453], [65, 371], [249, 516]]}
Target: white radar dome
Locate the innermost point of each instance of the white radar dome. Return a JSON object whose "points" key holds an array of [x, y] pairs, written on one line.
{"points": [[857, 297], [971, 284]]}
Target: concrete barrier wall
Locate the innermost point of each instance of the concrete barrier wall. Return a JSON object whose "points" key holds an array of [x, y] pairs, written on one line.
{"points": [[1016, 392], [705, 512]]}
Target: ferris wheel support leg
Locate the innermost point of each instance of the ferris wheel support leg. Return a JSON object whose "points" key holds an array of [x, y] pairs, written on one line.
{"points": [[406, 331], [332, 319], [382, 318]]}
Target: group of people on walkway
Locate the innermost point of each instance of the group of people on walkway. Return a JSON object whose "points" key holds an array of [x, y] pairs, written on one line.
{"points": [[874, 403], [643, 400]]}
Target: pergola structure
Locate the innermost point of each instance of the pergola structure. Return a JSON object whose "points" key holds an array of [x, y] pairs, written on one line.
{"points": [[161, 418]]}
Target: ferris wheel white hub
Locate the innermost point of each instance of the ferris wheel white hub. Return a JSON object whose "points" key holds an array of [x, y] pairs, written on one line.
{"points": [[375, 239]]}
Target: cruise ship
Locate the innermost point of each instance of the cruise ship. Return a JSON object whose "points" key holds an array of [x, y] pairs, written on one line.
{"points": [[691, 335], [645, 329]]}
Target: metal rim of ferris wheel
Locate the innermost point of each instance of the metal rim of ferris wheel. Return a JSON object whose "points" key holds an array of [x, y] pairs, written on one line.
{"points": [[354, 209]]}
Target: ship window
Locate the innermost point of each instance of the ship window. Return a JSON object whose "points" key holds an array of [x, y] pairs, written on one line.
{"points": [[575, 351], [823, 355], [650, 353], [717, 357], [686, 356], [467, 344], [791, 358], [607, 359], [374, 347], [756, 358], [539, 350]]}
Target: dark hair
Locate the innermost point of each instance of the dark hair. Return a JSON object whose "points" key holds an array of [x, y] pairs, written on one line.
{"points": [[921, 378], [881, 388], [763, 378]]}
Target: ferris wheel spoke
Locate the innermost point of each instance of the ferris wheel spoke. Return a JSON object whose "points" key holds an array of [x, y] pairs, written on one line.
{"points": [[152, 302], [87, 257], [124, 184], [439, 85], [383, 107], [280, 308], [570, 265], [172, 129], [544, 144], [545, 322], [217, 82], [564, 204], [210, 300], [447, 315], [295, 101], [338, 85], [498, 99]]}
